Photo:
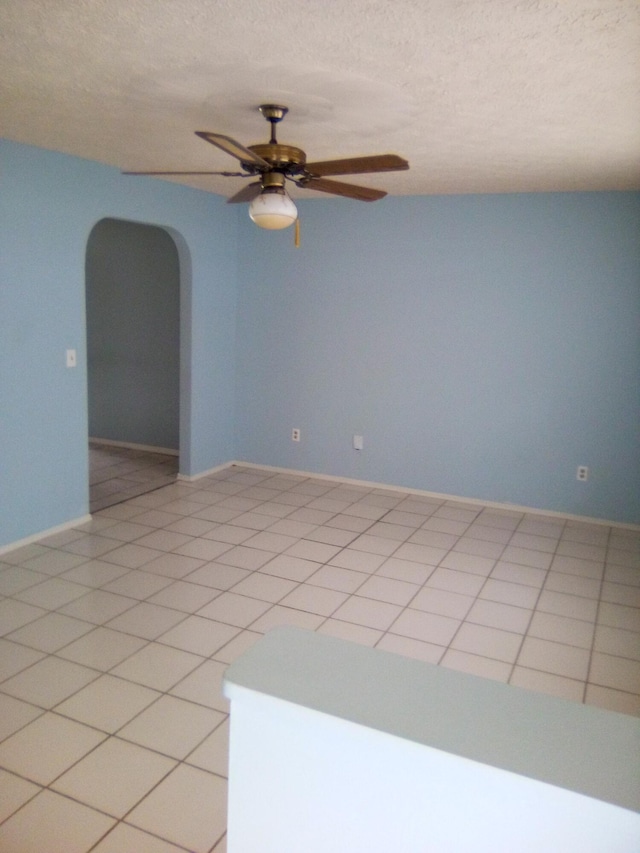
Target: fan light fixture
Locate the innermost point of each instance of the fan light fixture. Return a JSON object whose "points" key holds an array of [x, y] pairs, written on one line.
{"points": [[273, 209]]}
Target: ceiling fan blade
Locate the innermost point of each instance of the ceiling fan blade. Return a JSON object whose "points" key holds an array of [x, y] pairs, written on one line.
{"points": [[224, 174], [358, 165], [247, 193], [347, 190], [231, 146]]}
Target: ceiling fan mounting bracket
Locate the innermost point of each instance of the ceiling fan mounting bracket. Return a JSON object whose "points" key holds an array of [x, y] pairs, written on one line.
{"points": [[273, 112]]}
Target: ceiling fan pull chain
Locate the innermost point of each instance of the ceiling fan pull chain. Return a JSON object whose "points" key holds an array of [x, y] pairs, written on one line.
{"points": [[296, 240]]}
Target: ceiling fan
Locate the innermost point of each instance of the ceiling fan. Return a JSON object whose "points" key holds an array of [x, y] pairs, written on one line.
{"points": [[273, 164]]}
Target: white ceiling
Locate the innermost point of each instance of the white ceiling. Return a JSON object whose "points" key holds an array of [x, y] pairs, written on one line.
{"points": [[478, 95]]}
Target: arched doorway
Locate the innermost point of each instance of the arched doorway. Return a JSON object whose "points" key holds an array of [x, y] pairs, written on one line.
{"points": [[133, 359]]}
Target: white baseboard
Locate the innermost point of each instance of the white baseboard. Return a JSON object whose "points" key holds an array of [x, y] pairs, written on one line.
{"points": [[439, 496], [186, 478], [149, 448], [51, 531]]}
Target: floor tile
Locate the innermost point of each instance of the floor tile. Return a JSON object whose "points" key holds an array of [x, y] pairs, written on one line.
{"points": [[556, 658], [213, 752], [15, 793], [178, 565], [245, 558], [217, 576], [237, 646], [95, 573], [108, 703], [526, 557], [333, 577], [46, 747], [443, 602], [515, 594], [619, 616], [618, 642], [50, 632], [411, 648], [572, 585], [98, 606], [405, 570], [454, 581], [428, 627], [488, 642], [185, 596], [290, 568], [314, 599], [14, 658], [264, 587], [476, 665], [204, 686], [617, 593], [613, 700], [157, 666], [138, 585], [131, 556], [146, 620], [49, 681], [564, 604], [615, 672], [15, 714], [497, 615], [562, 629], [198, 635], [366, 611], [53, 823], [14, 579], [172, 726], [575, 566], [188, 808], [478, 547], [513, 573], [15, 614], [102, 649], [348, 631], [388, 589], [51, 593], [234, 609], [127, 838], [359, 561], [54, 562], [279, 615], [546, 682]]}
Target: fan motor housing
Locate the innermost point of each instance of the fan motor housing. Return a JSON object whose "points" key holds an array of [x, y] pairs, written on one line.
{"points": [[286, 157]]}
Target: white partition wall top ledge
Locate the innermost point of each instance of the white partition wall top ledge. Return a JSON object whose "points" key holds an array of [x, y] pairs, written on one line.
{"points": [[572, 746]]}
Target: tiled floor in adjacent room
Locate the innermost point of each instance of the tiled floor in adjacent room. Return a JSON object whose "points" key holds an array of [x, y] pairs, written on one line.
{"points": [[119, 473], [114, 636]]}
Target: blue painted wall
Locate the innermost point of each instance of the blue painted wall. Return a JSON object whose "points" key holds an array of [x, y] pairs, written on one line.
{"points": [[484, 346], [48, 205]]}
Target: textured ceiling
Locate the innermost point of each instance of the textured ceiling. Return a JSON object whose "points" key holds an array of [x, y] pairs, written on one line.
{"points": [[479, 95]]}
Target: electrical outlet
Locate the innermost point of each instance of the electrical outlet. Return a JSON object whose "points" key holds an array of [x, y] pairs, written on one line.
{"points": [[295, 435], [583, 473], [358, 442]]}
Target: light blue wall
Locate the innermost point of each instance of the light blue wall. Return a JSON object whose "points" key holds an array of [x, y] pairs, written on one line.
{"points": [[485, 346], [48, 205], [133, 334]]}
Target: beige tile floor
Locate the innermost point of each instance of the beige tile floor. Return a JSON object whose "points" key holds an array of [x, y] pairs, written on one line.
{"points": [[114, 636], [120, 473]]}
